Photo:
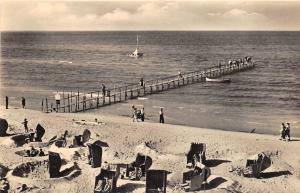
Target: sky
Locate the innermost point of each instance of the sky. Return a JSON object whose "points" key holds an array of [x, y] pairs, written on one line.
{"points": [[75, 15]]}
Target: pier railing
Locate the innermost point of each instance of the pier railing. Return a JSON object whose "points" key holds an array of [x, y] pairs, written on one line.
{"points": [[77, 101]]}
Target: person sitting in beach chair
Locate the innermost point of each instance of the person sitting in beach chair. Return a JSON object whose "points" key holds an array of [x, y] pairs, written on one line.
{"points": [[41, 153], [33, 152]]}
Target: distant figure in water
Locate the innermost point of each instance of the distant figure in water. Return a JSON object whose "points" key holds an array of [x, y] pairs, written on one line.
{"points": [[23, 103], [288, 131], [161, 116], [25, 123]]}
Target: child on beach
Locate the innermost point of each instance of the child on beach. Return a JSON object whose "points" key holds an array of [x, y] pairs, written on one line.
{"points": [[282, 132]]}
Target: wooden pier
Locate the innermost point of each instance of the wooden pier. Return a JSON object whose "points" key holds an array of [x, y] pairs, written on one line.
{"points": [[72, 102]]}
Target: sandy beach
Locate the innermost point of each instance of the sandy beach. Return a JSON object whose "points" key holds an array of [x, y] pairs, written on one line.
{"points": [[166, 144]]}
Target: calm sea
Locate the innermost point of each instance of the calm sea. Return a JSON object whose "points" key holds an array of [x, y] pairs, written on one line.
{"points": [[35, 64]]}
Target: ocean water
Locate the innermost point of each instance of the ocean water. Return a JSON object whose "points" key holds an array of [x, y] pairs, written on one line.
{"points": [[36, 64]]}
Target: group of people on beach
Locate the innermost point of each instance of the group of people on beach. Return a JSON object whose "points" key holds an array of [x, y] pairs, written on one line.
{"points": [[285, 131], [140, 114], [34, 152]]}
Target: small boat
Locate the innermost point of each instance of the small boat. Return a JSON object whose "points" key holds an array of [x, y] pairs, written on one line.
{"points": [[136, 53], [217, 80]]}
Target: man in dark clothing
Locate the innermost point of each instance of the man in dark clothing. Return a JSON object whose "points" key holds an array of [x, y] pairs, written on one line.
{"points": [[6, 102], [282, 131], [143, 114], [142, 82], [41, 153], [25, 123], [161, 116], [103, 90], [23, 102], [287, 131]]}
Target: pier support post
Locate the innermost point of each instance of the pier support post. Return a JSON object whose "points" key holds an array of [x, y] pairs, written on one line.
{"points": [[69, 103], [64, 101], [108, 94], [47, 106]]}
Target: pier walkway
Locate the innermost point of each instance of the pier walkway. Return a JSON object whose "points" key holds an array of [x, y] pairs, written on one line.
{"points": [[72, 102]]}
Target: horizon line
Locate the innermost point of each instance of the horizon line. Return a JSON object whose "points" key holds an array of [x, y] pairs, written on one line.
{"points": [[149, 30]]}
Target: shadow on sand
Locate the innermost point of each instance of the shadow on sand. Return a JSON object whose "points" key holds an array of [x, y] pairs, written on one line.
{"points": [[275, 174], [130, 187], [295, 140], [215, 162], [214, 183]]}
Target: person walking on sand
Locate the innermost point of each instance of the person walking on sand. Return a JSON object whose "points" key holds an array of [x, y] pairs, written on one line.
{"points": [[282, 131], [143, 114], [23, 103], [135, 115], [25, 123], [288, 131], [161, 116]]}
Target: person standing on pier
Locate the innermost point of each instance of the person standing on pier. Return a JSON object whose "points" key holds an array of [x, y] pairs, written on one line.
{"points": [[84, 102], [23, 102], [57, 99], [142, 82], [25, 123], [103, 90], [161, 116]]}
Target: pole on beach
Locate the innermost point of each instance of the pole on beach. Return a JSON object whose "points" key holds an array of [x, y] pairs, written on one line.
{"points": [[78, 100], [64, 100], [42, 105], [47, 105], [6, 102], [71, 101], [75, 104]]}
